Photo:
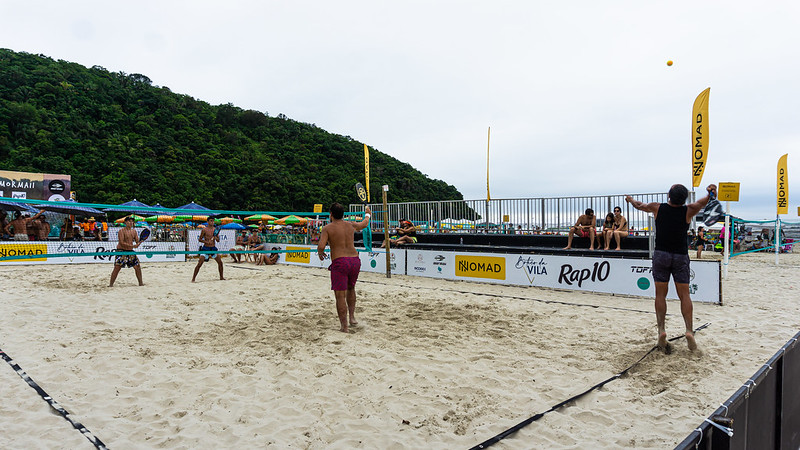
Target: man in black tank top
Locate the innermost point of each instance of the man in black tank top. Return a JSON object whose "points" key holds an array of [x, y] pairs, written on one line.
{"points": [[671, 256]]}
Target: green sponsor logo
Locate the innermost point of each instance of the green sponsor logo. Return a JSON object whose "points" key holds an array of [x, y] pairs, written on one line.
{"points": [[643, 283]]}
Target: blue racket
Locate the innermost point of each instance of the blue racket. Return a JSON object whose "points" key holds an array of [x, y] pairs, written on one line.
{"points": [[144, 235]]}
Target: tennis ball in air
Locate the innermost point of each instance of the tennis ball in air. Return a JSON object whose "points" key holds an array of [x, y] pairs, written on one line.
{"points": [[669, 63]]}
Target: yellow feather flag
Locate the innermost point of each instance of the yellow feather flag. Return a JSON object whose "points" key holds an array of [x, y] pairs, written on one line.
{"points": [[366, 169], [699, 136], [783, 185]]}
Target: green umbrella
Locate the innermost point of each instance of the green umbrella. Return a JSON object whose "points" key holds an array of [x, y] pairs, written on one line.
{"points": [[162, 219], [259, 217], [291, 220]]}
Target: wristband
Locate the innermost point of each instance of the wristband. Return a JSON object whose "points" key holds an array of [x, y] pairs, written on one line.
{"points": [[367, 215]]}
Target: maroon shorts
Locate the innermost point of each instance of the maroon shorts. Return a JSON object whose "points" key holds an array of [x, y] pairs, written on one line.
{"points": [[584, 232], [344, 272]]}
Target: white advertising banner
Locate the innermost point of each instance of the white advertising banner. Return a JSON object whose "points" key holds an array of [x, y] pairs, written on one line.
{"points": [[306, 255], [78, 251], [611, 275], [227, 239]]}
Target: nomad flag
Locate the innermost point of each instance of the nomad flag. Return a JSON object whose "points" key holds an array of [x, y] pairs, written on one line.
{"points": [[366, 169], [699, 136], [783, 186]]}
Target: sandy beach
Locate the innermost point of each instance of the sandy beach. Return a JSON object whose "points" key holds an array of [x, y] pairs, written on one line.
{"points": [[258, 361]]}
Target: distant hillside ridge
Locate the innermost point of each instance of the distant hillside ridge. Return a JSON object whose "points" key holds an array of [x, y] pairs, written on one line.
{"points": [[120, 137]]}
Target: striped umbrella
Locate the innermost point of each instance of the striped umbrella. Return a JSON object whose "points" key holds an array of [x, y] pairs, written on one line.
{"points": [[135, 217], [260, 217], [191, 218], [226, 220], [291, 220], [162, 219]]}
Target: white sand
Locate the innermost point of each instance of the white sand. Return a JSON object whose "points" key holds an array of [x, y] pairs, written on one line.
{"points": [[258, 361]]}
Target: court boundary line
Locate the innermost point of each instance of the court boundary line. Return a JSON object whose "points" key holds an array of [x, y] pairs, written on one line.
{"points": [[53, 404], [497, 438]]}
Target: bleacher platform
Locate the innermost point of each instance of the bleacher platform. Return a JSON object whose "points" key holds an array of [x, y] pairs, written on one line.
{"points": [[544, 244]]}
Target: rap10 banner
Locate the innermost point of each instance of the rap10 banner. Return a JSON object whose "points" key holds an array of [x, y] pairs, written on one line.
{"points": [[612, 275]]}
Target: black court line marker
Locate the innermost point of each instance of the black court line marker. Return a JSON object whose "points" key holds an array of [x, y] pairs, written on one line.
{"points": [[530, 420], [53, 404]]}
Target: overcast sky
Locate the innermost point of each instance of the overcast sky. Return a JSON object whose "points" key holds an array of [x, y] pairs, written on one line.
{"points": [[578, 94]]}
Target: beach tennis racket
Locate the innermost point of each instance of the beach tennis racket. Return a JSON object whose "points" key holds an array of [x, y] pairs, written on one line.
{"points": [[712, 213], [366, 233], [144, 235], [216, 231]]}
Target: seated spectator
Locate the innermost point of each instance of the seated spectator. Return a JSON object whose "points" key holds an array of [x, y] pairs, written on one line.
{"points": [[619, 230], [606, 232], [240, 246], [584, 227], [406, 234], [266, 259]]}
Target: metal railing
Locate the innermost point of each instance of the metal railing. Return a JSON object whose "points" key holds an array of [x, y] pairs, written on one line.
{"points": [[513, 216]]}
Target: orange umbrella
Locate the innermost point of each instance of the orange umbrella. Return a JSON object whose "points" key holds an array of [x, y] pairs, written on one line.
{"points": [[135, 217], [162, 219], [291, 220], [226, 220]]}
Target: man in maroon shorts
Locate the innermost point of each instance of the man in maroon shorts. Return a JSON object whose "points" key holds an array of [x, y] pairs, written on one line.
{"points": [[345, 263]]}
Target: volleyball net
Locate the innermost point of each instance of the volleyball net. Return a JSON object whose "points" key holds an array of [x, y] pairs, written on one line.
{"points": [[750, 236], [89, 233]]}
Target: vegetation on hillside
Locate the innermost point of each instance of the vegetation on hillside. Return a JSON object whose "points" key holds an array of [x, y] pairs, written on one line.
{"points": [[120, 137]]}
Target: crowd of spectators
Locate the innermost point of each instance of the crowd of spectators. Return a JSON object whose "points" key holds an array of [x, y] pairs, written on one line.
{"points": [[21, 226]]}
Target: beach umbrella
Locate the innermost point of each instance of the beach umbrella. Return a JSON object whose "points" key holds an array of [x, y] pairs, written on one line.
{"points": [[69, 207], [253, 226], [291, 220], [233, 226], [14, 206], [158, 205], [226, 220], [260, 217], [191, 218], [162, 219], [131, 206], [193, 206], [135, 217]]}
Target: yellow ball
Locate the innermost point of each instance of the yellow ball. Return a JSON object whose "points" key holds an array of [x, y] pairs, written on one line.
{"points": [[669, 63]]}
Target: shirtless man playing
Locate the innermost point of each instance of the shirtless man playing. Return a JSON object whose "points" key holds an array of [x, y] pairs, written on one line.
{"points": [[584, 227], [345, 263], [128, 240], [209, 240], [671, 255]]}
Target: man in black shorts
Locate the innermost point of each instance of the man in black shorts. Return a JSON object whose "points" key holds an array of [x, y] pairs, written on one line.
{"points": [[671, 256]]}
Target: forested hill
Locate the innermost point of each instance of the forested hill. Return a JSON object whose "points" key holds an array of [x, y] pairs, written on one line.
{"points": [[120, 137]]}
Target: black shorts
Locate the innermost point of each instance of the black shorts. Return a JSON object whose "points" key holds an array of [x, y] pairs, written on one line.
{"points": [[666, 264]]}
